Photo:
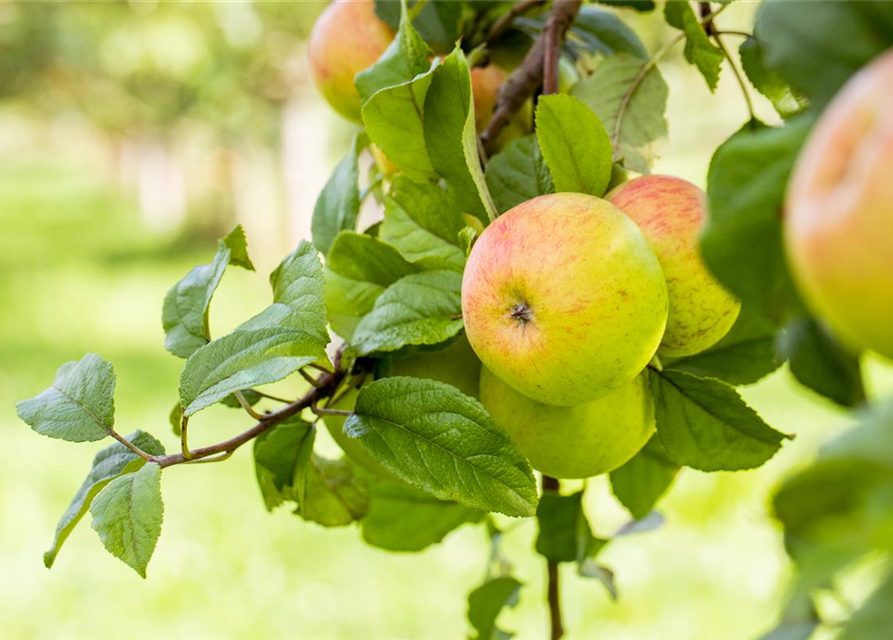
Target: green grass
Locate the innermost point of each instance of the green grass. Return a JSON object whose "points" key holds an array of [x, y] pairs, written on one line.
{"points": [[80, 273]]}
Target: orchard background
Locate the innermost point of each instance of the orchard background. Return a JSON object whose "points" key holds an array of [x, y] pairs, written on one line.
{"points": [[132, 135]]}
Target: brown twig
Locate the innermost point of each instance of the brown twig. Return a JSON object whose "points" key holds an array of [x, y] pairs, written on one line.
{"points": [[505, 20], [529, 74], [553, 594], [127, 443]]}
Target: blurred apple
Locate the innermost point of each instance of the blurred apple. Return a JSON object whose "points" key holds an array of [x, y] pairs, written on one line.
{"points": [[839, 212]]}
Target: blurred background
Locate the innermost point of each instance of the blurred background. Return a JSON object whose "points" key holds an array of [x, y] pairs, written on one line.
{"points": [[132, 135]]}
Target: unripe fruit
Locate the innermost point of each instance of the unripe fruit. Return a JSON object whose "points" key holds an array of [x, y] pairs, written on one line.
{"points": [[563, 299], [346, 38], [456, 365], [839, 213], [671, 213], [574, 442]]}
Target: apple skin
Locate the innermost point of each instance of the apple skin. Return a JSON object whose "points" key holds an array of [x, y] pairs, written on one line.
{"points": [[574, 442], [671, 213], [456, 365], [838, 227], [563, 299], [346, 38]]}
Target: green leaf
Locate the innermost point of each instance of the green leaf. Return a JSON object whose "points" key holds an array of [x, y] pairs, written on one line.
{"points": [[699, 51], [287, 335], [486, 603], [423, 222], [742, 242], [109, 463], [437, 22], [184, 315], [818, 50], [250, 396], [127, 515], [604, 33], [403, 518], [298, 283], [338, 204], [518, 173], [334, 495], [419, 309], [612, 85], [436, 438], [280, 456], [820, 363], [704, 424], [574, 144], [799, 619], [564, 531], [641, 482], [768, 81], [358, 270], [638, 5], [874, 618], [451, 137], [745, 355], [79, 406]]}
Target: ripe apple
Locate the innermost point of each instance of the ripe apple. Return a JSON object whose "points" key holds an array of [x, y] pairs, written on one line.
{"points": [[346, 38], [839, 212], [456, 365], [574, 442], [563, 298], [671, 213]]}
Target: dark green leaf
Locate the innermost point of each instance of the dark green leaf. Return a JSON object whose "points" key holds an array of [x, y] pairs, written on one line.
{"points": [[280, 456], [437, 22], [699, 51], [358, 270], [638, 5], [518, 173], [185, 312], [767, 81], [109, 463], [403, 518], [564, 532], [436, 438], [451, 136], [338, 204], [423, 222], [742, 242], [615, 94], [485, 604], [79, 406], [419, 309], [704, 424], [641, 482], [745, 355], [127, 515], [574, 145], [820, 363], [818, 50], [334, 496], [605, 33]]}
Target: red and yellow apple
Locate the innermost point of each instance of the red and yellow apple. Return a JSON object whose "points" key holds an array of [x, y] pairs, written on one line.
{"points": [[456, 365], [574, 442], [347, 38], [671, 213], [563, 299], [839, 212]]}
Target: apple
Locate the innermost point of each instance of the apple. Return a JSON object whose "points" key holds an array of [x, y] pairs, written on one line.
{"points": [[671, 213], [838, 219], [563, 299], [346, 38], [574, 442], [456, 365]]}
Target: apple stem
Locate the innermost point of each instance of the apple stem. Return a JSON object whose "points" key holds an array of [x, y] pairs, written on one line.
{"points": [[553, 594]]}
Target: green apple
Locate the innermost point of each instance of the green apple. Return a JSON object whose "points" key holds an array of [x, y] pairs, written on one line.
{"points": [[838, 227], [456, 365], [671, 213], [563, 299], [574, 442], [345, 39]]}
